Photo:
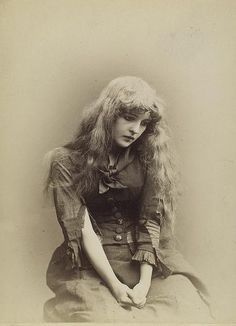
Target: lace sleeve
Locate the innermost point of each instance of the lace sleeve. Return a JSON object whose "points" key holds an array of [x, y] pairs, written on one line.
{"points": [[70, 208], [149, 229]]}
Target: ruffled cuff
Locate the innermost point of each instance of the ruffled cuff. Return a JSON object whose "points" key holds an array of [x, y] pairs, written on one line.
{"points": [[145, 256], [153, 258], [73, 257]]}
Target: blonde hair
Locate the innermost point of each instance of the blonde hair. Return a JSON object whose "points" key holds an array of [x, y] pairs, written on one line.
{"points": [[93, 140]]}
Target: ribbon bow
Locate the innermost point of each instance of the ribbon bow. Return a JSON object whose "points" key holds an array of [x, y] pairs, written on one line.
{"points": [[109, 179], [110, 175]]}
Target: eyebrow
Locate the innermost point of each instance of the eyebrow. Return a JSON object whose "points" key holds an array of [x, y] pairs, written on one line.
{"points": [[132, 113], [132, 110], [137, 115]]}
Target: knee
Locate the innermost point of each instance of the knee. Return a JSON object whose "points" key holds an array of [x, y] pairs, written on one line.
{"points": [[181, 284]]}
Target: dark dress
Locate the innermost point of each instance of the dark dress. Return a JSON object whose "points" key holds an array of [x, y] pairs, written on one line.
{"points": [[127, 216]]}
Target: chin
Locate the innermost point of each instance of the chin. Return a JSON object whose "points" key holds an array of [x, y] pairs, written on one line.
{"points": [[123, 145]]}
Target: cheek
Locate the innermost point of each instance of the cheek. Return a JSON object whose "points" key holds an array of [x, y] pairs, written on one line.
{"points": [[117, 128], [122, 125], [142, 129]]}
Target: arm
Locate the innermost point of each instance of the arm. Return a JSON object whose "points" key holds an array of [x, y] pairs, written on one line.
{"points": [[68, 205], [76, 226], [150, 221], [145, 275], [141, 289], [148, 236], [97, 256]]}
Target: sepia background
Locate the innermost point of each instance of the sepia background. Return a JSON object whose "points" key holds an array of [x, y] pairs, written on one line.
{"points": [[56, 56]]}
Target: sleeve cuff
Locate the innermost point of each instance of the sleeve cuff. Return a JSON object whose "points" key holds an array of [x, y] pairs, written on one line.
{"points": [[73, 257], [145, 256], [153, 258]]}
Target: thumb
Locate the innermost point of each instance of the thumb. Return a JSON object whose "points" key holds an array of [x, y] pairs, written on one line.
{"points": [[129, 292], [133, 297]]}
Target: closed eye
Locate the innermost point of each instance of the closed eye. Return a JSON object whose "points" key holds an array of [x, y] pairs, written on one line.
{"points": [[129, 117], [145, 122]]}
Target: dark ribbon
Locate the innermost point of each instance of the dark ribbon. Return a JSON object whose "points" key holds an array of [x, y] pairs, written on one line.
{"points": [[110, 176], [109, 179]]}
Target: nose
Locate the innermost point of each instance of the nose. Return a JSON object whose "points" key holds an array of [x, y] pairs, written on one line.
{"points": [[134, 128]]}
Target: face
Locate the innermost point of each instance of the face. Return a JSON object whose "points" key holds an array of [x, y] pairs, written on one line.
{"points": [[129, 127]]}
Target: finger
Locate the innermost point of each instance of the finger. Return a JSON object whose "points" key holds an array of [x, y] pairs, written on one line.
{"points": [[142, 304], [136, 299], [139, 302], [126, 302], [130, 293]]}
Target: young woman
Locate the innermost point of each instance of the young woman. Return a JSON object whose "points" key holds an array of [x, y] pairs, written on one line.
{"points": [[114, 190]]}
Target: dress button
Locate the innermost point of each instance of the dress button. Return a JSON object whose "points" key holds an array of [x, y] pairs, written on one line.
{"points": [[114, 209], [142, 221], [119, 230], [120, 221], [110, 200], [118, 215], [118, 237]]}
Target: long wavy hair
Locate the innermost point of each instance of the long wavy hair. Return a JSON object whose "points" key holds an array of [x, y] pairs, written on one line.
{"points": [[93, 140]]}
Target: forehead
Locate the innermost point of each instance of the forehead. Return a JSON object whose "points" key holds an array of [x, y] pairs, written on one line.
{"points": [[142, 116], [137, 112]]}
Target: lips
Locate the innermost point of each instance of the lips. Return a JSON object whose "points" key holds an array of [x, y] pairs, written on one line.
{"points": [[130, 138]]}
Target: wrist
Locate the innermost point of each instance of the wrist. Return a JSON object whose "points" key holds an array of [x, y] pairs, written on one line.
{"points": [[113, 284], [145, 274], [145, 283]]}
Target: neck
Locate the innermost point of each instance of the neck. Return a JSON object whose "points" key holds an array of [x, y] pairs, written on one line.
{"points": [[116, 150]]}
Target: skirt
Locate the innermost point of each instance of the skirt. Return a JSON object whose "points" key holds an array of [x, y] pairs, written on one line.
{"points": [[81, 296]]}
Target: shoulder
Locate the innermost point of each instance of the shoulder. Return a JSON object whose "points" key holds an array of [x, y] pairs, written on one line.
{"points": [[60, 167], [59, 157]]}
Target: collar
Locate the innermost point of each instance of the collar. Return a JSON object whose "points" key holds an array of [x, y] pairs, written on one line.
{"points": [[110, 174]]}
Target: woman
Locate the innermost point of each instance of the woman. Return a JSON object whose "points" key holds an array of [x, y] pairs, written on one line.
{"points": [[114, 190]]}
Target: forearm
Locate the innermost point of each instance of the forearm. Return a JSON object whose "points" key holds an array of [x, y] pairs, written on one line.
{"points": [[145, 274], [96, 254], [98, 259], [140, 291]]}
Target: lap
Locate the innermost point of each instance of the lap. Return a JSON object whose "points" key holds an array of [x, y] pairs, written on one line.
{"points": [[88, 299], [85, 297], [176, 299]]}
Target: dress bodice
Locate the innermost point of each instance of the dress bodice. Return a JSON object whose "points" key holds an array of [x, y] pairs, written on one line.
{"points": [[125, 197], [114, 205], [124, 207]]}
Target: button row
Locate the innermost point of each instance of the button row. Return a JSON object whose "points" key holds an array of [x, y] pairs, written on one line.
{"points": [[114, 209], [119, 220], [118, 215], [119, 230], [118, 237]]}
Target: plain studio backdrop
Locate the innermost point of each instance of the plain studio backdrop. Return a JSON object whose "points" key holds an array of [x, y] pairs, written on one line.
{"points": [[56, 56]]}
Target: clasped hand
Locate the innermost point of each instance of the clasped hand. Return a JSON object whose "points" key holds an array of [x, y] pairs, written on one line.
{"points": [[135, 297]]}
